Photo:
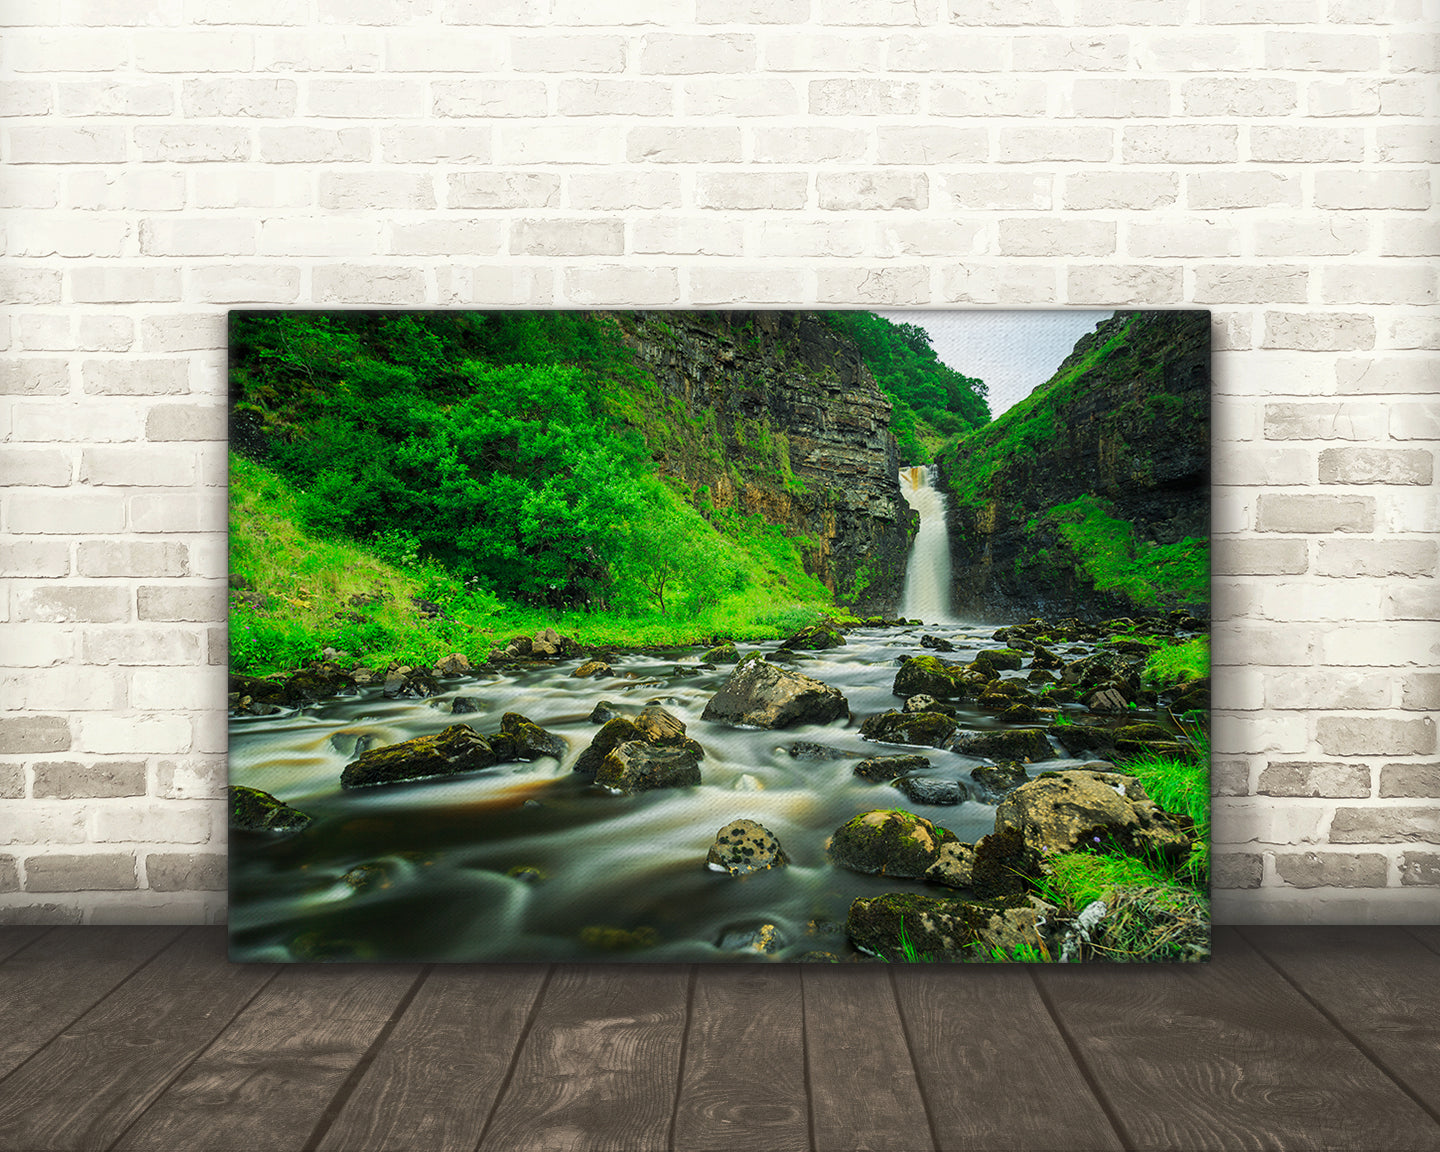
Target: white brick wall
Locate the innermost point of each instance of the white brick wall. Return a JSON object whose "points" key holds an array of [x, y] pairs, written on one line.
{"points": [[168, 159]]}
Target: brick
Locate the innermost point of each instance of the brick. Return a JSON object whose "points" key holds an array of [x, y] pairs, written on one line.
{"points": [[1301, 144], [194, 778], [987, 96], [190, 50], [29, 285], [46, 913], [184, 333], [871, 285], [1258, 12], [1023, 144], [874, 190], [131, 285], [1315, 514], [1332, 688], [753, 190], [571, 144], [76, 512], [807, 145], [366, 98], [95, 421], [34, 558], [67, 689], [556, 53], [594, 97], [173, 512], [1230, 778], [1238, 96], [808, 50], [1413, 331], [12, 781], [495, 11], [35, 467], [135, 377], [371, 191], [327, 236], [192, 143], [1124, 284], [881, 12], [490, 285], [170, 823], [248, 12], [1002, 13], [9, 874], [1377, 645], [622, 284], [1004, 191], [752, 11], [940, 52], [1376, 466], [74, 603], [864, 97], [503, 189], [92, 872], [1180, 144], [379, 12], [1300, 778], [303, 144], [185, 422], [1372, 190], [358, 284], [558, 237], [1420, 868], [710, 287], [1359, 96], [132, 558], [623, 189], [22, 734], [1191, 238], [170, 602], [143, 735], [673, 54], [1075, 52], [1230, 284], [1421, 692], [35, 377], [1386, 825], [1415, 603], [217, 647], [234, 97], [1321, 236], [445, 238], [1333, 869], [1402, 781], [640, 12], [36, 645], [1410, 237], [681, 236], [1236, 870], [347, 50], [185, 871], [911, 237], [37, 237], [251, 186], [1261, 465], [1375, 736], [138, 646], [69, 780], [736, 96], [488, 98], [1242, 189], [1263, 644], [1350, 558], [989, 284], [27, 98], [1056, 237], [1197, 51], [1325, 421], [1407, 283], [1129, 189], [1408, 144], [1266, 821], [67, 144], [932, 144], [1321, 52]]}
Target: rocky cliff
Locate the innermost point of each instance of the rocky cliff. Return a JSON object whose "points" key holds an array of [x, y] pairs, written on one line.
{"points": [[776, 414], [1091, 497]]}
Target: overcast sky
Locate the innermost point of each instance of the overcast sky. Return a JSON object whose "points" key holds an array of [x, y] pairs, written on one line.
{"points": [[1013, 352]]}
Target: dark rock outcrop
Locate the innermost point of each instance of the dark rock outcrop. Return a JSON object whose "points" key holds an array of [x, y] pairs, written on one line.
{"points": [[255, 811], [459, 748]]}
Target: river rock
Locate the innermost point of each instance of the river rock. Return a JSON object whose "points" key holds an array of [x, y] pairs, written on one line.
{"points": [[1083, 739], [639, 767], [596, 669], [743, 846], [1042, 658], [1001, 659], [611, 735], [887, 842], [1005, 864], [459, 748], [455, 664], [531, 741], [929, 729], [930, 675], [317, 682], [953, 865], [1021, 714], [725, 653], [255, 811], [809, 751], [404, 681], [759, 694], [1018, 932], [762, 938], [658, 726], [816, 637], [255, 696], [924, 703], [935, 929], [1107, 700], [1059, 811], [883, 769], [931, 790], [936, 643], [1007, 744], [462, 705], [1102, 668], [991, 784], [604, 711]]}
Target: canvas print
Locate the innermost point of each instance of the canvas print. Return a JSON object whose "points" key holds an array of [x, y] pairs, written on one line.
{"points": [[735, 637]]}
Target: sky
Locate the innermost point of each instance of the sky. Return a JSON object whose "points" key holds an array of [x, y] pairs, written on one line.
{"points": [[1013, 352]]}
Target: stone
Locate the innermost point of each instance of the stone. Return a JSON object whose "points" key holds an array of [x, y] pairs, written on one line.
{"points": [[887, 842], [883, 769], [255, 811], [742, 847], [759, 694], [614, 733], [927, 729], [1005, 864], [605, 711], [1061, 811], [596, 669], [410, 682], [639, 767], [532, 741], [725, 653], [658, 726], [943, 929], [808, 750], [931, 790], [924, 703], [1025, 744], [1001, 659], [463, 705], [317, 682], [953, 865], [936, 643], [991, 784], [929, 675], [763, 938], [816, 637], [1102, 668], [455, 664], [459, 748]]}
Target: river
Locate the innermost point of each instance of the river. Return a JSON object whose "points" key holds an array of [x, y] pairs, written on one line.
{"points": [[439, 888]]}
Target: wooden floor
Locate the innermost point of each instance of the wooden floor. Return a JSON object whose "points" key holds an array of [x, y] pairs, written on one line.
{"points": [[147, 1038]]}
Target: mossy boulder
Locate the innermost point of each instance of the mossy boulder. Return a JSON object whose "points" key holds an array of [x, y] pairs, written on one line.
{"points": [[1061, 811], [255, 811], [612, 734], [1005, 864], [930, 675], [933, 790], [459, 748], [531, 741], [636, 766], [927, 729], [944, 929], [1001, 659], [883, 769], [725, 653], [1103, 668], [953, 865], [316, 682], [593, 670], [924, 703], [991, 784], [743, 846], [815, 638], [403, 681], [887, 842], [760, 694], [1025, 744]]}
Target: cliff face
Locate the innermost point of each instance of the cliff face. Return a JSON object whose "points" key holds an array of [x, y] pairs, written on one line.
{"points": [[1125, 421], [774, 413]]}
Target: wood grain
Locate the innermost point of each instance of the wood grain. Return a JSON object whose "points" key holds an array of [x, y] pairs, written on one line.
{"points": [[1379, 984], [981, 1038], [863, 1089], [744, 1081], [17, 936], [61, 976], [599, 1067], [1227, 1055], [269, 1077], [437, 1078], [84, 1088]]}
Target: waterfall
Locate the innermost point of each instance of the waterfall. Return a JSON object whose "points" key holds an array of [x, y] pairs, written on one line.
{"points": [[927, 573]]}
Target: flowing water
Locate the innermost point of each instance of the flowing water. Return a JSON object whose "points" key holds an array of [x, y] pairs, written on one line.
{"points": [[927, 573], [442, 850]]}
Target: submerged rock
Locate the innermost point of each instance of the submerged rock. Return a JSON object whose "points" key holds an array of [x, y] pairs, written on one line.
{"points": [[462, 705], [459, 748], [759, 694], [883, 769], [1059, 811], [604, 711], [743, 846], [937, 643], [928, 729], [923, 703], [531, 741], [887, 842], [762, 938], [255, 811]]}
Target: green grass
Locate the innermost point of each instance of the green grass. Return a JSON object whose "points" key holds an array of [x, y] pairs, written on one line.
{"points": [[1176, 664]]}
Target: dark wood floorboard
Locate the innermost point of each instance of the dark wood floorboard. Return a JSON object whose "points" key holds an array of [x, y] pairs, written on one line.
{"points": [[863, 1091], [600, 1065], [1381, 985], [61, 976], [88, 1084], [436, 1079], [18, 936], [266, 1082], [981, 1040], [744, 1081], [1228, 1055]]}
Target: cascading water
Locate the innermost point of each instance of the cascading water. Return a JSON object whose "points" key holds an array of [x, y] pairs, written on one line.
{"points": [[927, 574]]}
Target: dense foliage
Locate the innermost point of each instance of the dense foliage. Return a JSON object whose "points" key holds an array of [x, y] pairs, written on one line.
{"points": [[931, 400]]}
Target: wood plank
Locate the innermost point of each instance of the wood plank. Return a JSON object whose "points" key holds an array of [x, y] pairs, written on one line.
{"points": [[599, 1067], [436, 1079], [1379, 984], [61, 976], [268, 1078], [744, 1081], [14, 937], [1427, 934], [863, 1090], [980, 1037], [1226, 1055], [91, 1082]]}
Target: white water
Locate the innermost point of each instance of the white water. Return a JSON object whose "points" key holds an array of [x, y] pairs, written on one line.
{"points": [[927, 573]]}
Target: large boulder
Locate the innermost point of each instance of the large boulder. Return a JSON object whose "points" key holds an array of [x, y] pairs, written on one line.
{"points": [[927, 729], [459, 748], [1005, 864], [316, 682], [930, 675], [530, 740], [611, 735], [883, 769], [1060, 811], [1025, 744], [255, 811], [933, 790], [759, 694], [991, 784], [954, 865], [743, 846], [902, 926], [887, 842], [725, 653], [639, 767], [1103, 668], [814, 638], [403, 681], [1001, 659]]}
